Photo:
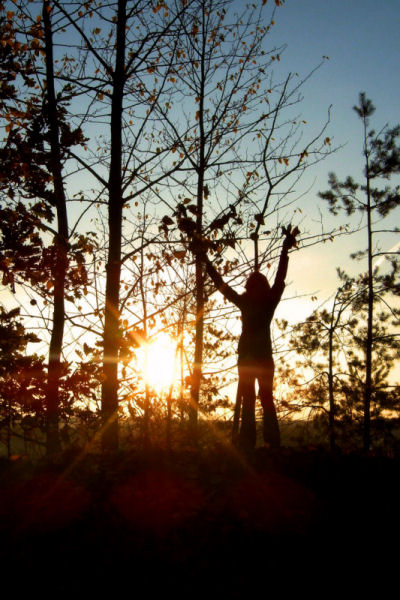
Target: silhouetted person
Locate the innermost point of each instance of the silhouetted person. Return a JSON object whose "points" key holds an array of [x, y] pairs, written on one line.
{"points": [[257, 305]]}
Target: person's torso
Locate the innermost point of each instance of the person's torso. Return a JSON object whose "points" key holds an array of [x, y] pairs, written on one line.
{"points": [[255, 340]]}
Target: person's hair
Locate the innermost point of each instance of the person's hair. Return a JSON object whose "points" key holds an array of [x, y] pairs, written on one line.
{"points": [[257, 285]]}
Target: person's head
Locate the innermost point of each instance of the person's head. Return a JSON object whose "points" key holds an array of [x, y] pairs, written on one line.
{"points": [[257, 285]]}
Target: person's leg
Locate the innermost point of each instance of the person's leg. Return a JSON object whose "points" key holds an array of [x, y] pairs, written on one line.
{"points": [[247, 434], [265, 378]]}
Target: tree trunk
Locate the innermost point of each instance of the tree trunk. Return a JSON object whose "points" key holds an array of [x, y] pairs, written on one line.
{"points": [[8, 406], [181, 363], [198, 349], [109, 406], [236, 415], [61, 249], [146, 413], [332, 432], [201, 169], [368, 344], [370, 314]]}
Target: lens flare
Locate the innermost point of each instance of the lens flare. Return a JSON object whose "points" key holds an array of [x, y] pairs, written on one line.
{"points": [[157, 362]]}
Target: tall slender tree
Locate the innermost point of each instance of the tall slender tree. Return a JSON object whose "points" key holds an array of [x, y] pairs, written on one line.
{"points": [[114, 70], [381, 154], [61, 239], [34, 154]]}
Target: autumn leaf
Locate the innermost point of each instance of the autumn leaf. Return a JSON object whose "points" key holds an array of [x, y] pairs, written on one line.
{"points": [[296, 231], [187, 225], [192, 208]]}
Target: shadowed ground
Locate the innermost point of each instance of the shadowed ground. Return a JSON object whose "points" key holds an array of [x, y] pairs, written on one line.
{"points": [[198, 522]]}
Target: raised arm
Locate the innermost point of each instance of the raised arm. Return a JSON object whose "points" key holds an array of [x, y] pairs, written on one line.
{"points": [[288, 242], [279, 283], [219, 283]]}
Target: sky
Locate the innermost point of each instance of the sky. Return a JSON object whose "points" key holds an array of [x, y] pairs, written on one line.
{"points": [[361, 39]]}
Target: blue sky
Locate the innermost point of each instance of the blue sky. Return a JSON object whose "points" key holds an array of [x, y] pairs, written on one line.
{"points": [[362, 41], [361, 38]]}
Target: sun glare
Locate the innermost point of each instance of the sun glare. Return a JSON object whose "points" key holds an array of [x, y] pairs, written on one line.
{"points": [[158, 366]]}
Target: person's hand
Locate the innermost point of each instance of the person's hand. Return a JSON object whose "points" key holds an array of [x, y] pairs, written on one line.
{"points": [[290, 237]]}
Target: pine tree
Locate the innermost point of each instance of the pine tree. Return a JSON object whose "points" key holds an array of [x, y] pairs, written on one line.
{"points": [[381, 154]]}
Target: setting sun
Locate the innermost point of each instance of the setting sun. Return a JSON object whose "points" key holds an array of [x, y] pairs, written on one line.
{"points": [[157, 362]]}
